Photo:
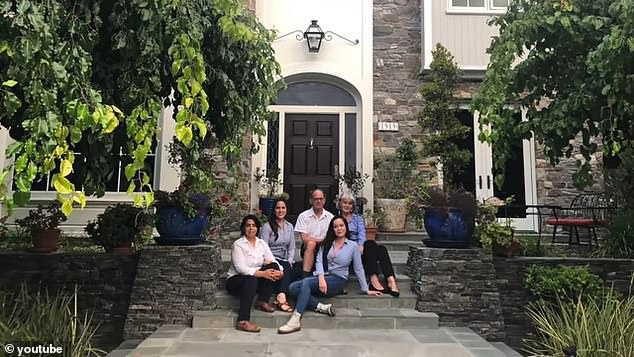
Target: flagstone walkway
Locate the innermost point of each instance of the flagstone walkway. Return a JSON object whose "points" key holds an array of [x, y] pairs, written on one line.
{"points": [[172, 340]]}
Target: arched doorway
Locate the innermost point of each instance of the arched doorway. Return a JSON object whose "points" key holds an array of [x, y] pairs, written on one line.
{"points": [[314, 137]]}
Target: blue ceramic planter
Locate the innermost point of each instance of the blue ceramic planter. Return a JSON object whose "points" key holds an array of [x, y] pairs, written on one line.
{"points": [[447, 229], [176, 229], [267, 205]]}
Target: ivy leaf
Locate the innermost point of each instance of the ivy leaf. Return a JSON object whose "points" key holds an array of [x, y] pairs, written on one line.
{"points": [[80, 198], [66, 168], [188, 102], [184, 133], [20, 163], [21, 198], [67, 207], [196, 87], [62, 184], [130, 170], [201, 125], [13, 148], [9, 83]]}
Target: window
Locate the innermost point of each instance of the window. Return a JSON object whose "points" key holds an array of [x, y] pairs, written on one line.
{"points": [[478, 5], [118, 158]]}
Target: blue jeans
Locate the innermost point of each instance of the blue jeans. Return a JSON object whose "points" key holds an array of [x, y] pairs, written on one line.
{"points": [[306, 291]]}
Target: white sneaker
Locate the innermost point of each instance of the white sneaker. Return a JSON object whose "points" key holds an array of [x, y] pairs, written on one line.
{"points": [[293, 325], [327, 309]]}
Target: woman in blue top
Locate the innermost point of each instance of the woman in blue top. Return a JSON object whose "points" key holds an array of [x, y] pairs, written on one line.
{"points": [[374, 255], [331, 274], [279, 234]]}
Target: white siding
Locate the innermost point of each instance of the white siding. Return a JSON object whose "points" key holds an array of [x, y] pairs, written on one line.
{"points": [[467, 36]]}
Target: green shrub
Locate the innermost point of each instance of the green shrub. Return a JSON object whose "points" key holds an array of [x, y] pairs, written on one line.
{"points": [[620, 241], [567, 283], [594, 327], [28, 317]]}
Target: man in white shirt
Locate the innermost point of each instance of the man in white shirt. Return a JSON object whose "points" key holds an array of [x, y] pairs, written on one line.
{"points": [[312, 226]]}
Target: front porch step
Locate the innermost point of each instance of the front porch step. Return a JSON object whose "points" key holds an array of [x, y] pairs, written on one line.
{"points": [[363, 318], [414, 237], [354, 299], [399, 260], [404, 282]]}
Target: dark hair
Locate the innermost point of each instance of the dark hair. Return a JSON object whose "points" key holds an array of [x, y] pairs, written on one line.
{"points": [[243, 225], [330, 238], [273, 217]]}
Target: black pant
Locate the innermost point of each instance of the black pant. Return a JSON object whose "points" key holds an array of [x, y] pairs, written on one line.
{"points": [[246, 286], [281, 286], [375, 255]]}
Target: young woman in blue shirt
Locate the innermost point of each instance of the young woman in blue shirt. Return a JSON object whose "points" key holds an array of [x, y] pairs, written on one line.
{"points": [[332, 267]]}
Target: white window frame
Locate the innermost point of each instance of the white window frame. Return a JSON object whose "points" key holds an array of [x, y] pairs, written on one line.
{"points": [[488, 8]]}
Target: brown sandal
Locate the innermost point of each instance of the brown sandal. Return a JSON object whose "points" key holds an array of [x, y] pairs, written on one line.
{"points": [[283, 306]]}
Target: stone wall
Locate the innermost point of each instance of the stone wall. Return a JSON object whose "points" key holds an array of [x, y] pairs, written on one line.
{"points": [[171, 283], [104, 282], [514, 296], [397, 48], [458, 285]]}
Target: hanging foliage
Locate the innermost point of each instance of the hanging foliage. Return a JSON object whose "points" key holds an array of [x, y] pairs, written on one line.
{"points": [[570, 63], [76, 75]]}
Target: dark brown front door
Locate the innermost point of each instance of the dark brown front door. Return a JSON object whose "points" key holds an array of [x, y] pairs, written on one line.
{"points": [[310, 154]]}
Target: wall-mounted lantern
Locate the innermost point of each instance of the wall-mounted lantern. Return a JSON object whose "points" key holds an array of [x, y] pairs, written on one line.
{"points": [[314, 35]]}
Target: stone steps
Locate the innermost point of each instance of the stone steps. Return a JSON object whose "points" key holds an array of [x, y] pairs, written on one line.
{"points": [[399, 260], [404, 282], [347, 318], [354, 299], [414, 237]]}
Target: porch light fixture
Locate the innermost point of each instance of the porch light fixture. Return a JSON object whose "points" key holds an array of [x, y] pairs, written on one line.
{"points": [[314, 35]]}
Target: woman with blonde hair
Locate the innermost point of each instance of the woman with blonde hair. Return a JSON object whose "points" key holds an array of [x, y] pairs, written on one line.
{"points": [[375, 256]]}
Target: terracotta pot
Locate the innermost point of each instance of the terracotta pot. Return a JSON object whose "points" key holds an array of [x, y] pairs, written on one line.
{"points": [[509, 251], [370, 233], [45, 241]]}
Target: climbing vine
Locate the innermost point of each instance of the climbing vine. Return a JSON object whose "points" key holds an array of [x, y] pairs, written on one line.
{"points": [[570, 63], [77, 75]]}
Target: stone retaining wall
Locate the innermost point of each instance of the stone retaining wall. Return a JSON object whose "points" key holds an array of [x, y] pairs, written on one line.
{"points": [[104, 282], [514, 296], [459, 285], [171, 283]]}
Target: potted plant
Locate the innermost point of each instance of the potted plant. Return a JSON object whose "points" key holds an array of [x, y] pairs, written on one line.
{"points": [[42, 224], [493, 234], [118, 228], [397, 179], [373, 220], [353, 181], [182, 215], [269, 183], [449, 219]]}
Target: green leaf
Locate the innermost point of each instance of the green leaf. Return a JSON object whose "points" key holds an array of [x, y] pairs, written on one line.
{"points": [[21, 198], [202, 127], [21, 162], [13, 148], [130, 170], [9, 83], [66, 168], [62, 184], [184, 134], [67, 207]]}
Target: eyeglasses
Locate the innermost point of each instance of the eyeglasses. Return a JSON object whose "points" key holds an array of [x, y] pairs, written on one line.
{"points": [[318, 199]]}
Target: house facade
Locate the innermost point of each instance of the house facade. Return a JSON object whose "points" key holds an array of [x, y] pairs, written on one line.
{"points": [[358, 97], [379, 67]]}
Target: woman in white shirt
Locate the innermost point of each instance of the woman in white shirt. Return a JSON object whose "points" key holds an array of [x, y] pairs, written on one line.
{"points": [[253, 270], [279, 234]]}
